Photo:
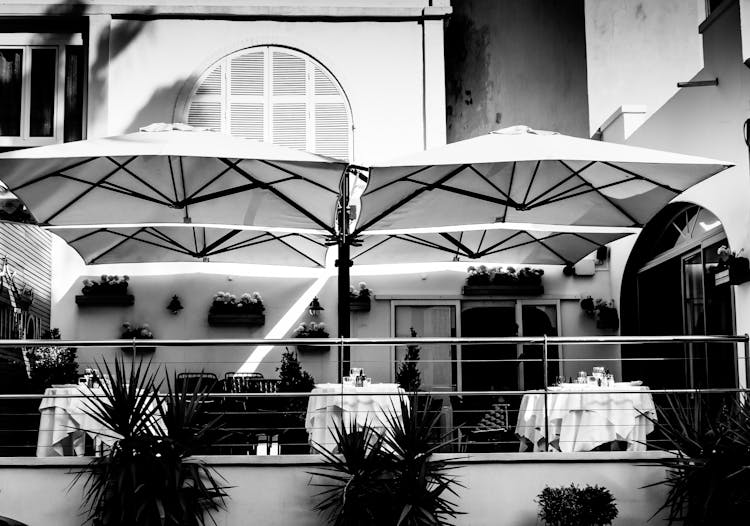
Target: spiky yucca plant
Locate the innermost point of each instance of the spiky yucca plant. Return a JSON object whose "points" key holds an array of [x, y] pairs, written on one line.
{"points": [[388, 477], [709, 475], [148, 477]]}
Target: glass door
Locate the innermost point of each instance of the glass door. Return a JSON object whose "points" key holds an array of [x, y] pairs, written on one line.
{"points": [[694, 316]]}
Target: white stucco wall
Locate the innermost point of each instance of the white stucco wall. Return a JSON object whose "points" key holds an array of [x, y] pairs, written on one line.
{"points": [[637, 51]]}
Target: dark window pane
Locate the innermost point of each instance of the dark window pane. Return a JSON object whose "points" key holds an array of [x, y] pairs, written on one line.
{"points": [[11, 76], [42, 109], [73, 93]]}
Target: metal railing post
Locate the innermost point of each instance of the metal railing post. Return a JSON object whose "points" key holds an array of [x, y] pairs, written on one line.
{"points": [[546, 393], [746, 345]]}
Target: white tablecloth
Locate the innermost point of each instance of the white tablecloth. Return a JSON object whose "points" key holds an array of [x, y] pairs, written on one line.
{"points": [[64, 423], [354, 405], [583, 421]]}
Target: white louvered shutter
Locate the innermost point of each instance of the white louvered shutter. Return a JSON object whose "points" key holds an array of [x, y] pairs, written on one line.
{"points": [[277, 95]]}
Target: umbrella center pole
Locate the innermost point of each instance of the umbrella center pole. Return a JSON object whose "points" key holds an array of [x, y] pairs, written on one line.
{"points": [[343, 263]]}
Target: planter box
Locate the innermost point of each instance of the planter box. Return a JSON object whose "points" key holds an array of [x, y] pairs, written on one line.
{"points": [[502, 290], [249, 320], [313, 348], [736, 274], [359, 305], [118, 300], [721, 277]]}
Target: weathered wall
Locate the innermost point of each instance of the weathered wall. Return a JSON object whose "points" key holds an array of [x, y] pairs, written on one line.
{"points": [[499, 489], [515, 62], [637, 51]]}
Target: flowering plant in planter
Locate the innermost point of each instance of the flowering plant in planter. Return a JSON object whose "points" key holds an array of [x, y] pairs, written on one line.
{"points": [[361, 292], [311, 330], [142, 331], [228, 303], [25, 297], [733, 266], [107, 286], [485, 276]]}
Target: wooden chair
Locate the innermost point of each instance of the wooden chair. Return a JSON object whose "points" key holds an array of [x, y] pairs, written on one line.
{"points": [[252, 420], [190, 381]]}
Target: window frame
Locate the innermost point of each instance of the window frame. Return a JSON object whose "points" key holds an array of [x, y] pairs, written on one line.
{"points": [[268, 98], [28, 42]]}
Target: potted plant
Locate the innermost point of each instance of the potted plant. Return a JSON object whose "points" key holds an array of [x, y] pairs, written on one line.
{"points": [[708, 448], [227, 309], [408, 375], [311, 330], [359, 298], [25, 297], [732, 269], [137, 332], [604, 312], [150, 476], [482, 280], [575, 506], [53, 364], [108, 291], [293, 379]]}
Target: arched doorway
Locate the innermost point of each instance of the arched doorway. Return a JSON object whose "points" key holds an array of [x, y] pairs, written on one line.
{"points": [[668, 289]]}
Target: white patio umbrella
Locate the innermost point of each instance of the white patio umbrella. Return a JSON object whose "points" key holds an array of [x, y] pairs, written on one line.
{"points": [[506, 242], [522, 175], [174, 174], [192, 243]]}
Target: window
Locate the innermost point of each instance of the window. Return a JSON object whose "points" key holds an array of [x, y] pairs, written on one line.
{"points": [[276, 95], [41, 89]]}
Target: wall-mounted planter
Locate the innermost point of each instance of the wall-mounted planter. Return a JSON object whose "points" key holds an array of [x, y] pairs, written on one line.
{"points": [[502, 290], [737, 273], [359, 304], [607, 319], [245, 320], [313, 348], [118, 300]]}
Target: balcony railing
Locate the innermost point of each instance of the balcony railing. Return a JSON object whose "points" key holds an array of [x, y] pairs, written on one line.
{"points": [[469, 420]]}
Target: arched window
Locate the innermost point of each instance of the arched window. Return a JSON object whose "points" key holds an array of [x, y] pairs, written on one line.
{"points": [[276, 95]]}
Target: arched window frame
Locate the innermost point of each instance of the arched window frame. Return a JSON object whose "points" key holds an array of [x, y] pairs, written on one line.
{"points": [[277, 97]]}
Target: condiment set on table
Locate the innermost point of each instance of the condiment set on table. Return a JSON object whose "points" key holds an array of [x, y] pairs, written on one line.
{"points": [[357, 378], [599, 377]]}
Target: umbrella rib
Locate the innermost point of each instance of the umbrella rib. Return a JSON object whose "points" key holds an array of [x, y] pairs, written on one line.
{"points": [[116, 245], [112, 187], [282, 196], [510, 187], [298, 176], [376, 245], [215, 195], [641, 177], [481, 240], [280, 239], [468, 252], [86, 192], [493, 185], [531, 182], [557, 185], [257, 240], [88, 234], [431, 244], [491, 249], [426, 187], [138, 178], [598, 191], [556, 253], [171, 175], [57, 172], [226, 237], [211, 181], [167, 239], [400, 179]]}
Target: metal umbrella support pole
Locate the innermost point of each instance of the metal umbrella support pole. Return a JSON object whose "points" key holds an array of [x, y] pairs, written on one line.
{"points": [[343, 263]]}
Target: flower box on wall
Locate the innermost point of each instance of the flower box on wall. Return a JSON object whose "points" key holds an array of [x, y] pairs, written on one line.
{"points": [[502, 290], [737, 273], [249, 320], [359, 304], [313, 348], [115, 300], [139, 349]]}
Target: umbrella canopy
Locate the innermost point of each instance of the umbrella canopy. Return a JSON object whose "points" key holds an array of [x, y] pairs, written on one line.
{"points": [[177, 175], [520, 244], [522, 175], [191, 243]]}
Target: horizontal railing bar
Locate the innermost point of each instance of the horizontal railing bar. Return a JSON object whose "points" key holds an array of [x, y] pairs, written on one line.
{"points": [[527, 340]]}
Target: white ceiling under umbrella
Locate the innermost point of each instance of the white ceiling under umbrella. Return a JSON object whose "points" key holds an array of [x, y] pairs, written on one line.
{"points": [[525, 176]]}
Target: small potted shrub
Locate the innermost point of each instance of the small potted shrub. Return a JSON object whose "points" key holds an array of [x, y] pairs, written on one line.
{"points": [[604, 312], [137, 332], [52, 365], [228, 309], [574, 506], [359, 298], [109, 290], [408, 375], [311, 330], [293, 379], [482, 280]]}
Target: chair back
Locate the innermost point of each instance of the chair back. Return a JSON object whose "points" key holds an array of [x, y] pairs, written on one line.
{"points": [[238, 382], [189, 381]]}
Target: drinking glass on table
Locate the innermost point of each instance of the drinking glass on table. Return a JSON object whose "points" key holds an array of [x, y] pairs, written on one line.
{"points": [[559, 380]]}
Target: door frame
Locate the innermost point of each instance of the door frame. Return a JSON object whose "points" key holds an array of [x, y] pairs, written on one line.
{"points": [[519, 320], [456, 304]]}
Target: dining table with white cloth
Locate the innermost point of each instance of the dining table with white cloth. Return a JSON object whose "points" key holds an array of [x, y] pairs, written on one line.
{"points": [[65, 421], [331, 405], [583, 417]]}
